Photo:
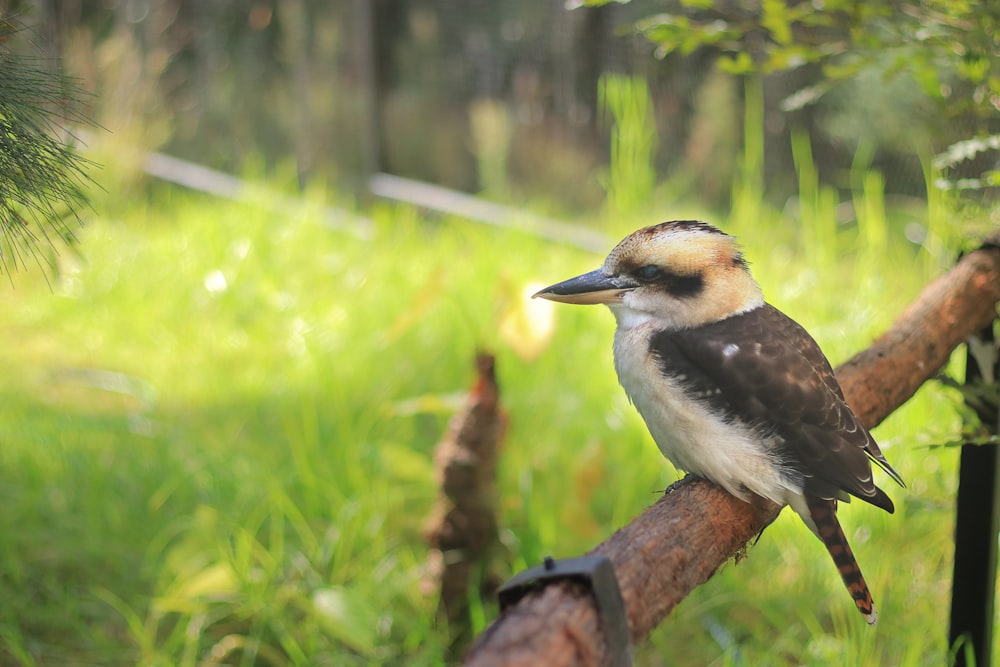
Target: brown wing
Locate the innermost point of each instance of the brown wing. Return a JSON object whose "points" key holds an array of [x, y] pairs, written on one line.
{"points": [[764, 370]]}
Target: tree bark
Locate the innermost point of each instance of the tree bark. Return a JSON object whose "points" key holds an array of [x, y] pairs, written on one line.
{"points": [[462, 531], [681, 540]]}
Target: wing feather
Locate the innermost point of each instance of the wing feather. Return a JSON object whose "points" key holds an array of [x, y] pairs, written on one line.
{"points": [[763, 369]]}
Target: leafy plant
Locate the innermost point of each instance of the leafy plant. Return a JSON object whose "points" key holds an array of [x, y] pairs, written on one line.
{"points": [[948, 47], [963, 151], [42, 179], [939, 42]]}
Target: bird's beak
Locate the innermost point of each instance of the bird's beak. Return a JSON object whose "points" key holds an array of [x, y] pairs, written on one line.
{"points": [[590, 288]]}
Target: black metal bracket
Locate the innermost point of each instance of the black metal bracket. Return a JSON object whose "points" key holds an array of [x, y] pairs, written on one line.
{"points": [[598, 574]]}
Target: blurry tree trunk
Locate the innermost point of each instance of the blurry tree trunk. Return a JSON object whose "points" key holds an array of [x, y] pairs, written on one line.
{"points": [[295, 21], [52, 25], [206, 49], [596, 28], [366, 67], [463, 527]]}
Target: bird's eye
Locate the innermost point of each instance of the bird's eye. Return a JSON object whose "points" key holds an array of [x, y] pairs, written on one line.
{"points": [[648, 273]]}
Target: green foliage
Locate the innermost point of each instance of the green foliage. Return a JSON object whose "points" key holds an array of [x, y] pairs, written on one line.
{"points": [[817, 205], [964, 151], [948, 47], [748, 186], [939, 42], [491, 128], [43, 180], [626, 102]]}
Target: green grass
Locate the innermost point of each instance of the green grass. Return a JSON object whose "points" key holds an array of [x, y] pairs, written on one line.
{"points": [[217, 428]]}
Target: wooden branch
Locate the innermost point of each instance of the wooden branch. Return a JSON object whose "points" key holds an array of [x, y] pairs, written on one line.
{"points": [[679, 542]]}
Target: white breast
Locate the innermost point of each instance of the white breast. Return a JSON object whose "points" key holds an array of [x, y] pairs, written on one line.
{"points": [[692, 437]]}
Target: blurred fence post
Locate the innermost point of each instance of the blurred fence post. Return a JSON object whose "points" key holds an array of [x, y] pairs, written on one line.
{"points": [[977, 515], [365, 56], [462, 531]]}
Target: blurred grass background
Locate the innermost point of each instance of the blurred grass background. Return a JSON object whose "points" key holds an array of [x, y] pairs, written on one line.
{"points": [[218, 425], [217, 416]]}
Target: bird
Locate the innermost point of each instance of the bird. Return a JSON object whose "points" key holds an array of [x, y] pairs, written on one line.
{"points": [[731, 389]]}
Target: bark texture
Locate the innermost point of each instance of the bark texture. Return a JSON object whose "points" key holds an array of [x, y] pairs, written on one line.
{"points": [[463, 528]]}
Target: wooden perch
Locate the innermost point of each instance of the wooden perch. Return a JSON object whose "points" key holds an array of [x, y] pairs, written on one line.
{"points": [[680, 541]]}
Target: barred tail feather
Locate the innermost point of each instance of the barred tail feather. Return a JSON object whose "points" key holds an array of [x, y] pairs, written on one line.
{"points": [[824, 515]]}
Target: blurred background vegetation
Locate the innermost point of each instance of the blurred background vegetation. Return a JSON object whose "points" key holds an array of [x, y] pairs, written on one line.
{"points": [[218, 415], [505, 97]]}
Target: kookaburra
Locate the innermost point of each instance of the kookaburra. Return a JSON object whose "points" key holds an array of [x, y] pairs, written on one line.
{"points": [[731, 389]]}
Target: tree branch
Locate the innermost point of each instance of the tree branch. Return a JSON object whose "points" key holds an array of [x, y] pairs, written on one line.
{"points": [[681, 540]]}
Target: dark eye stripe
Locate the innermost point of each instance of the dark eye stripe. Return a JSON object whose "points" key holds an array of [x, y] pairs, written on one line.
{"points": [[683, 286], [675, 284]]}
